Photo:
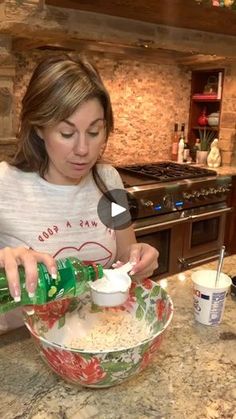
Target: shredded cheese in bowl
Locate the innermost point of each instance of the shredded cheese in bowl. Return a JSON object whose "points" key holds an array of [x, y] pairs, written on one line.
{"points": [[100, 331]]}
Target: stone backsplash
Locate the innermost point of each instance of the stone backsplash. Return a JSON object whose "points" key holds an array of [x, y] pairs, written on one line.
{"points": [[147, 100], [227, 141]]}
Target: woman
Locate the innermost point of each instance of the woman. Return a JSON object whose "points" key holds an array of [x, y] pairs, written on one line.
{"points": [[52, 188]]}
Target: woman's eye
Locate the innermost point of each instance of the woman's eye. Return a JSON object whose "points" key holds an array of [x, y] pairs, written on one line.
{"points": [[65, 135], [93, 134]]}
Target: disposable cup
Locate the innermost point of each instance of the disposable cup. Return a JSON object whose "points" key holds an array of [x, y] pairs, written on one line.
{"points": [[209, 300]]}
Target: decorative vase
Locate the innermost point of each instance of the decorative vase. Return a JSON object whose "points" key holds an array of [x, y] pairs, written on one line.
{"points": [[202, 119], [201, 157], [213, 119]]}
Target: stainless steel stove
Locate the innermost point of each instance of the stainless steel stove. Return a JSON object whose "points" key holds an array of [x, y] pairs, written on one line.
{"points": [[166, 172], [178, 208]]}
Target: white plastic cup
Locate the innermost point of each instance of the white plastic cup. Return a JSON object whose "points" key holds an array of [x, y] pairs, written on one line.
{"points": [[114, 295], [208, 299]]}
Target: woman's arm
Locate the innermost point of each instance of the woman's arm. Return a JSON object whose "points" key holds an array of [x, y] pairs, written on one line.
{"points": [[143, 255]]}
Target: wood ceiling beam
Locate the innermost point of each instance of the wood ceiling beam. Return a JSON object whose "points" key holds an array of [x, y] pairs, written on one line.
{"points": [[63, 25], [198, 59], [179, 13], [86, 46]]}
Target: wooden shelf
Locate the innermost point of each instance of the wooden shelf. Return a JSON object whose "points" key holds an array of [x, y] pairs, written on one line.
{"points": [[207, 127], [206, 100], [198, 82]]}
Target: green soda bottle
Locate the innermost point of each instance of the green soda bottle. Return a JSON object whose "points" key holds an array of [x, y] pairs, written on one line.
{"points": [[73, 277]]}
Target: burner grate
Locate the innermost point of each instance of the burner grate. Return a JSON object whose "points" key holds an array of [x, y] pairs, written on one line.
{"points": [[167, 171]]}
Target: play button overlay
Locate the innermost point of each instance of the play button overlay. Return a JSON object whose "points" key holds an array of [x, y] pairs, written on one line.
{"points": [[117, 209]]}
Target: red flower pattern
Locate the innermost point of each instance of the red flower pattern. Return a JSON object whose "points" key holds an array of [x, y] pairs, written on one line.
{"points": [[73, 366], [149, 354], [160, 309], [132, 288], [147, 283], [51, 312]]}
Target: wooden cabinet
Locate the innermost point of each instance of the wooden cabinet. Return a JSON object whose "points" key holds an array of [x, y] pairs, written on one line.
{"points": [[206, 94], [230, 231]]}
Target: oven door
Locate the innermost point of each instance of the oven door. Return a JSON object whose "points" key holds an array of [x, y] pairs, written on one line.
{"points": [[204, 233], [167, 237]]}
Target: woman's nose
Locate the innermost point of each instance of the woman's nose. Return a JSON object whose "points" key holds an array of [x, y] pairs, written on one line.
{"points": [[81, 147]]}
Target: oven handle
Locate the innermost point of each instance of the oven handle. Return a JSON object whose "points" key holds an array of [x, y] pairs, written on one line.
{"points": [[182, 220], [165, 223], [216, 212], [188, 265]]}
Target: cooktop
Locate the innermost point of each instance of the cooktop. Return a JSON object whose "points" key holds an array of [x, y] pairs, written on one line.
{"points": [[161, 172]]}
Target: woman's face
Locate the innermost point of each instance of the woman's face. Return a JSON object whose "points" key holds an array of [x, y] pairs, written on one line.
{"points": [[73, 146]]}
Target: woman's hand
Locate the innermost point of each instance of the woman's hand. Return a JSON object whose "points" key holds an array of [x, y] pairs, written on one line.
{"points": [[11, 258], [144, 259]]}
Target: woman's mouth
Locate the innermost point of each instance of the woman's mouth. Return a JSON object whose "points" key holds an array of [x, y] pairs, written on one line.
{"points": [[79, 166]]}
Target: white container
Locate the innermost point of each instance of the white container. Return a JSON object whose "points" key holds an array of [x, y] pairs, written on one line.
{"points": [[213, 119], [180, 158], [208, 300], [112, 290]]}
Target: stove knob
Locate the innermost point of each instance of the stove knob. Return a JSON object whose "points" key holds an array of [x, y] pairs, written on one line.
{"points": [[222, 189], [147, 203], [167, 201], [212, 191], [187, 196], [203, 193]]}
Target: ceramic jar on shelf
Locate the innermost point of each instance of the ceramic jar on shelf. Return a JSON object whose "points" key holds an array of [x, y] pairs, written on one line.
{"points": [[213, 119]]}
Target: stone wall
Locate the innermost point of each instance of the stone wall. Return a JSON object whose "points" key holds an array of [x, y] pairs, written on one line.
{"points": [[227, 141], [147, 100]]}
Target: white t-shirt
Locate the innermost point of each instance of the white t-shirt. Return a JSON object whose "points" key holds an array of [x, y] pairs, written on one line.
{"points": [[56, 219]]}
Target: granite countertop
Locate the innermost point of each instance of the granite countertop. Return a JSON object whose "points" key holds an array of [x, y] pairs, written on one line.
{"points": [[193, 376], [222, 170], [226, 170]]}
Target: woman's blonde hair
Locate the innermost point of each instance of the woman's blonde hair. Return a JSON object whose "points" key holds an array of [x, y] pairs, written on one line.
{"points": [[58, 86]]}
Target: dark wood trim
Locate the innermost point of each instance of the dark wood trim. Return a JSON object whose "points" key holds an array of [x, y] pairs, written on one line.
{"points": [[230, 230], [178, 13], [86, 46]]}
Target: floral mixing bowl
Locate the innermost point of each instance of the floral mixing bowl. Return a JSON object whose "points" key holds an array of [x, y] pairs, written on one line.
{"points": [[147, 303]]}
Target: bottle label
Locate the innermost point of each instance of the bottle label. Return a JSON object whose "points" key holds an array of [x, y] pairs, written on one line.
{"points": [[72, 279], [175, 149], [54, 289], [6, 301]]}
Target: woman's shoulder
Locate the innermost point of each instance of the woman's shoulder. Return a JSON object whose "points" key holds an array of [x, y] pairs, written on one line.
{"points": [[105, 168], [109, 175], [9, 174], [6, 170]]}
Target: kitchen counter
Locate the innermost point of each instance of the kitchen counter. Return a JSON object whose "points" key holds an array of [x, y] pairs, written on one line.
{"points": [[226, 170], [193, 376], [222, 170]]}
